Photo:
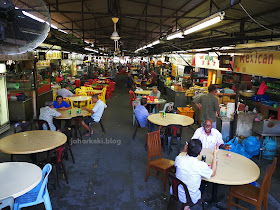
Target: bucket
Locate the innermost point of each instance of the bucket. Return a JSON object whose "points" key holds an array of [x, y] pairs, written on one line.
{"points": [[270, 147], [230, 109]]}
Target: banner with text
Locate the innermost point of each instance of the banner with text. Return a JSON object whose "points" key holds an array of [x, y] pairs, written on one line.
{"points": [[265, 64]]}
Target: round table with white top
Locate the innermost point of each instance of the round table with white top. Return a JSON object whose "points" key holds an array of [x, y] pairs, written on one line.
{"points": [[67, 116], [143, 92], [169, 119], [234, 170], [18, 178], [30, 142]]}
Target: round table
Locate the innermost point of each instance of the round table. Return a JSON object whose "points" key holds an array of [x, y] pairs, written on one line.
{"points": [[66, 116], [234, 170], [17, 178], [143, 92], [79, 98], [94, 91], [158, 119], [31, 142]]}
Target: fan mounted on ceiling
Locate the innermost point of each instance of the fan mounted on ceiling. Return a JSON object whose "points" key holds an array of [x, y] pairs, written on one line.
{"points": [[115, 36], [24, 25]]}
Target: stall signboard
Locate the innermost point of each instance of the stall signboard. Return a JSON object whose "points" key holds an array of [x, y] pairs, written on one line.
{"points": [[208, 62], [265, 64], [181, 59], [18, 57]]}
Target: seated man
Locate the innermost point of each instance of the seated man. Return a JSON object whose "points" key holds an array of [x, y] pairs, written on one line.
{"points": [[65, 92], [47, 113], [96, 112], [141, 114], [155, 92], [59, 104], [209, 136], [190, 170]]}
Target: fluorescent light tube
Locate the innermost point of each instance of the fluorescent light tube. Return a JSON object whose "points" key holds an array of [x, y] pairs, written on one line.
{"points": [[175, 35]]}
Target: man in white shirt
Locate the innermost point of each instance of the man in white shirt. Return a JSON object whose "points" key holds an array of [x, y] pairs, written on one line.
{"points": [[96, 112], [190, 170], [209, 136]]}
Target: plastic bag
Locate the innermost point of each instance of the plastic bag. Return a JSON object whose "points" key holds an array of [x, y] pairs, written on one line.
{"points": [[262, 89], [238, 148], [252, 145]]}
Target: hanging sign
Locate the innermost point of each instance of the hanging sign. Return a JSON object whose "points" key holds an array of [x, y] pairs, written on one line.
{"points": [[208, 62], [265, 64]]}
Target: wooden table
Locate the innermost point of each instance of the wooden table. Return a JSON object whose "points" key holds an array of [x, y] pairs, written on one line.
{"points": [[31, 142], [17, 178], [234, 170], [143, 92], [66, 116], [158, 119]]}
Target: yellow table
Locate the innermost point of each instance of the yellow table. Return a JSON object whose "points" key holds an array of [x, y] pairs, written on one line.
{"points": [[158, 119], [79, 98], [236, 170], [31, 142], [18, 178], [66, 116], [94, 91], [143, 92]]}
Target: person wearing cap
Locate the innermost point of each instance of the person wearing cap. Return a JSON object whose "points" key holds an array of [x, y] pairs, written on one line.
{"points": [[47, 113]]}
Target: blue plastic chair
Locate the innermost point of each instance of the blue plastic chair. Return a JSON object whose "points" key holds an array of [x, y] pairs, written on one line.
{"points": [[7, 202], [37, 195]]}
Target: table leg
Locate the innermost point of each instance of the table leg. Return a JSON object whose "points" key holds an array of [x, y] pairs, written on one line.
{"points": [[34, 158]]}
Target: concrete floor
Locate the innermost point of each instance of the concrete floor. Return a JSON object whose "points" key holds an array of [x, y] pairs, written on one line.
{"points": [[110, 175]]}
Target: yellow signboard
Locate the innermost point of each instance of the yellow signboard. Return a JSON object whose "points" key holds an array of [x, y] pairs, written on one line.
{"points": [[265, 64]]}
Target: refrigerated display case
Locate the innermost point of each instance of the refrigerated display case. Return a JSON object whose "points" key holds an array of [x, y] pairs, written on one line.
{"points": [[4, 112]]}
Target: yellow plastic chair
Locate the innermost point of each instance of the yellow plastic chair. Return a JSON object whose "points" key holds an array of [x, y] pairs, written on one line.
{"points": [[103, 95], [90, 105], [69, 101], [77, 90], [89, 88], [54, 96], [82, 94], [83, 88]]}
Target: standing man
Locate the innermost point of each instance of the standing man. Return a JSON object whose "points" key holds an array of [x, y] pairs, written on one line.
{"points": [[208, 105], [65, 92], [96, 112]]}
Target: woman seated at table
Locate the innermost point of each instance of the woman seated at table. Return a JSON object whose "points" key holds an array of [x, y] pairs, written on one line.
{"points": [[59, 105], [190, 170], [47, 113]]}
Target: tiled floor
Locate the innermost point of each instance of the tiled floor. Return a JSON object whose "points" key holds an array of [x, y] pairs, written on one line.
{"points": [[110, 170]]}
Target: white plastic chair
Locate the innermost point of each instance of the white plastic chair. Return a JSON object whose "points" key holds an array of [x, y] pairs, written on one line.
{"points": [[169, 106], [7, 202], [134, 104]]}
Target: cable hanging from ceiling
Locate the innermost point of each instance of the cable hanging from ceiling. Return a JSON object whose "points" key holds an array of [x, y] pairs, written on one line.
{"points": [[257, 21]]}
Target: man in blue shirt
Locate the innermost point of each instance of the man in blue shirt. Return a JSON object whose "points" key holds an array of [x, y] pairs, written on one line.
{"points": [[141, 114], [96, 112], [59, 104]]}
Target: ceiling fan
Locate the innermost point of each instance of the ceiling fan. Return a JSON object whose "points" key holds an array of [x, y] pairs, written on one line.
{"points": [[24, 25], [115, 36]]}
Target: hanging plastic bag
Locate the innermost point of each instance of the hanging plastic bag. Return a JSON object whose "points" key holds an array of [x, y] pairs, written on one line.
{"points": [[252, 145], [238, 148], [262, 89]]}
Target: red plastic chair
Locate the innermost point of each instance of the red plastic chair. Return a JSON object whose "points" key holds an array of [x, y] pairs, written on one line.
{"points": [[87, 84], [108, 92], [112, 85], [107, 81], [91, 81], [78, 83], [96, 80], [132, 97]]}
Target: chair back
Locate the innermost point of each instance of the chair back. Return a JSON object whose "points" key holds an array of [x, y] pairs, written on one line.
{"points": [[132, 95], [89, 104], [83, 88], [107, 81], [175, 183], [267, 179], [87, 84], [90, 81], [7, 202], [24, 125], [89, 88], [45, 174], [169, 106], [54, 96], [69, 101], [82, 94], [153, 145], [41, 123], [77, 90], [134, 104], [174, 130]]}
